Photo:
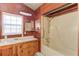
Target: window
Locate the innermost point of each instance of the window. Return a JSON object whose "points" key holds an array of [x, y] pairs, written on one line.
{"points": [[11, 24]]}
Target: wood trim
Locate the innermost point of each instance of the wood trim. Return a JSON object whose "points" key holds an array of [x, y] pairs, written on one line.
{"points": [[64, 11], [50, 6], [78, 32]]}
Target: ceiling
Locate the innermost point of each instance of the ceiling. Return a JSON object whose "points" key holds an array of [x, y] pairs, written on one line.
{"points": [[33, 6]]}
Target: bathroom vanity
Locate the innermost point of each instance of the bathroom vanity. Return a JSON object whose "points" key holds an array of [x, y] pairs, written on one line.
{"points": [[19, 47]]}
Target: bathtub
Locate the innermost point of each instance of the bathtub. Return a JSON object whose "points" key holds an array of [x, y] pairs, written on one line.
{"points": [[46, 51]]}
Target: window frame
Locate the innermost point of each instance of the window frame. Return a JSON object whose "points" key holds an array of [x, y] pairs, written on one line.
{"points": [[5, 13]]}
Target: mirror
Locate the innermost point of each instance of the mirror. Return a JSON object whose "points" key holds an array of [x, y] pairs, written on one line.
{"points": [[29, 26]]}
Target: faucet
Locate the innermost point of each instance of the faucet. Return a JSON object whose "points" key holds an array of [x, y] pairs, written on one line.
{"points": [[5, 37], [22, 35]]}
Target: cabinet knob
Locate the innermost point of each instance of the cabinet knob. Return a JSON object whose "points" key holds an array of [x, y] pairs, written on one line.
{"points": [[22, 51]]}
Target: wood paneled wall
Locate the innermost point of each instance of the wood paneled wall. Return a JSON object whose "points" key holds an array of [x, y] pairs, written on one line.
{"points": [[50, 6], [15, 8]]}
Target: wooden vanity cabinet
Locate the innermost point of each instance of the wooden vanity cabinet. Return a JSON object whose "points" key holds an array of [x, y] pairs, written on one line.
{"points": [[7, 50], [32, 51], [20, 49], [28, 48]]}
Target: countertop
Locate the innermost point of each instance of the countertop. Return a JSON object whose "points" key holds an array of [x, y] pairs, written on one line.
{"points": [[10, 41]]}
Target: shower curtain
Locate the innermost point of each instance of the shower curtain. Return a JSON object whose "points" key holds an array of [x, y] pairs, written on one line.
{"points": [[60, 33]]}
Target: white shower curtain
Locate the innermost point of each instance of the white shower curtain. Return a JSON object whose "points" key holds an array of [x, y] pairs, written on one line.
{"points": [[60, 33]]}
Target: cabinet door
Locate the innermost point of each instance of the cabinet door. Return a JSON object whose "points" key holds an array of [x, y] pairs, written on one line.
{"points": [[33, 48], [7, 51], [0, 52], [15, 50], [36, 46], [32, 51], [22, 50]]}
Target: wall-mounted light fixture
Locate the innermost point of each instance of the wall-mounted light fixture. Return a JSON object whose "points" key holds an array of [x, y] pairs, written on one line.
{"points": [[25, 14]]}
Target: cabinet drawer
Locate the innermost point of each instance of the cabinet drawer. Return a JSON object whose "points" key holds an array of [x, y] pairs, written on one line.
{"points": [[33, 43], [29, 44]]}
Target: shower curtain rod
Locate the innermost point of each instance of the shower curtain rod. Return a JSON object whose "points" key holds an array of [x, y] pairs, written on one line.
{"points": [[60, 8]]}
